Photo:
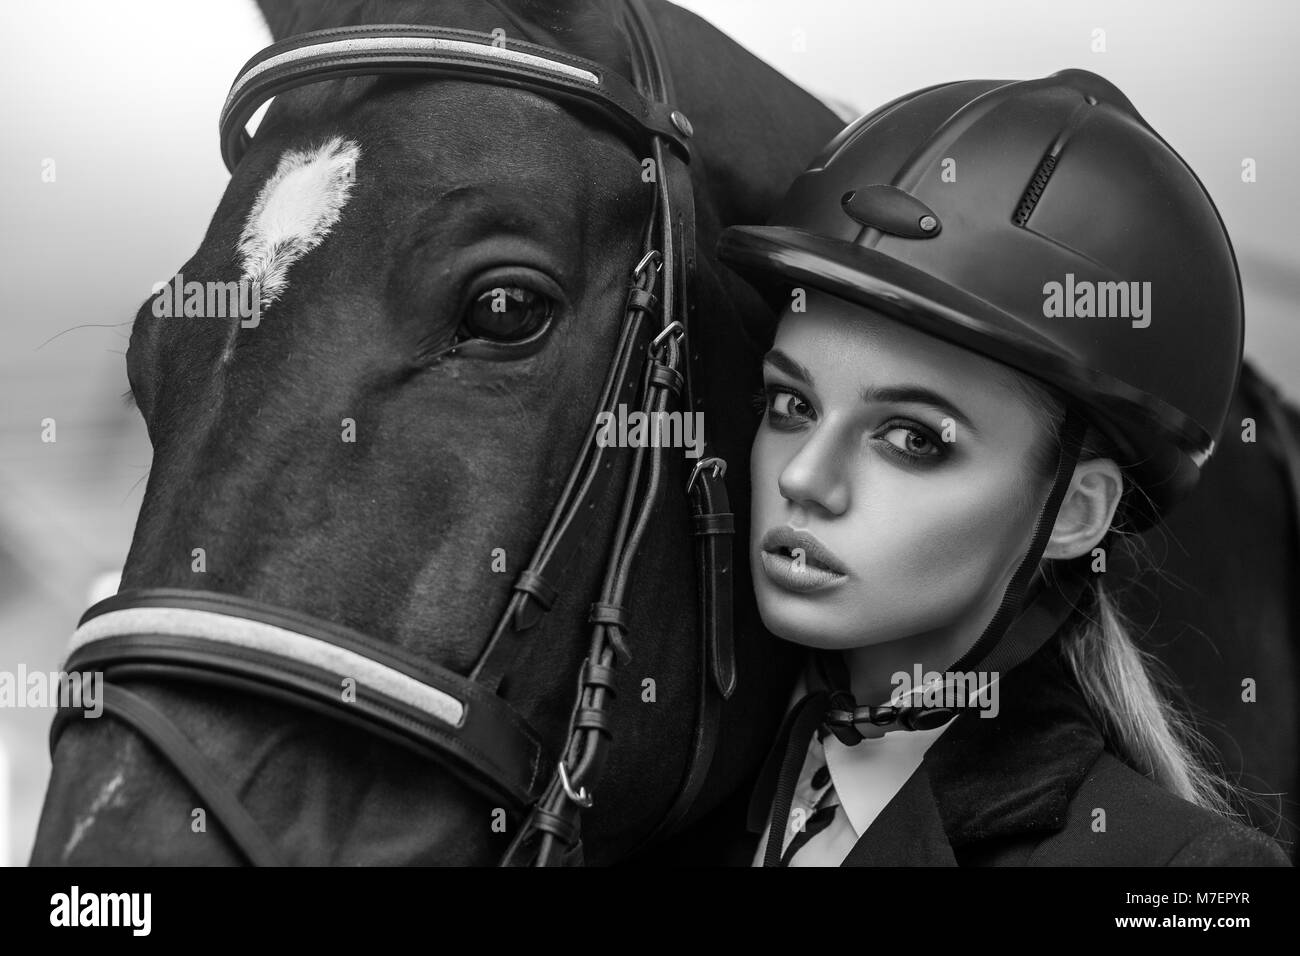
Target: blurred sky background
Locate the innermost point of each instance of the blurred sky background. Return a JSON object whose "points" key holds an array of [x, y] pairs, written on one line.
{"points": [[124, 99]]}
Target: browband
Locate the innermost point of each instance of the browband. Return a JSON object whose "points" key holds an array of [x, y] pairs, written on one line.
{"points": [[463, 54]]}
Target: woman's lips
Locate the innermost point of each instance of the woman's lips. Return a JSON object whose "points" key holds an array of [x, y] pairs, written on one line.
{"points": [[798, 561], [785, 572]]}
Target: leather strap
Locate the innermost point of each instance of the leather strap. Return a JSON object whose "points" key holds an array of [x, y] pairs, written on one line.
{"points": [[675, 222], [993, 650], [437, 51], [588, 748], [715, 528], [713, 523], [573, 516]]}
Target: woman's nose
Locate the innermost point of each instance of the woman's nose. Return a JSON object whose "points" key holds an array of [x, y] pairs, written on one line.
{"points": [[817, 475]]}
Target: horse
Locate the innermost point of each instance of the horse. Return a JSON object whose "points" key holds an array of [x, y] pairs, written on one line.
{"points": [[417, 531]]}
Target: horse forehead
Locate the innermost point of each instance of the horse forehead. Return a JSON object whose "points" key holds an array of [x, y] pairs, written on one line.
{"points": [[295, 210], [449, 126]]}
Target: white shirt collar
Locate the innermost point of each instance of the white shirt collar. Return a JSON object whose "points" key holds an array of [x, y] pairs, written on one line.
{"points": [[867, 775]]}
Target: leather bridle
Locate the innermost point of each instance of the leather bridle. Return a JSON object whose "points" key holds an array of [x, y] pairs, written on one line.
{"points": [[462, 721]]}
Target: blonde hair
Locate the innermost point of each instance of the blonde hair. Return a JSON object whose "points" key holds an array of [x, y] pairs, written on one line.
{"points": [[1120, 682]]}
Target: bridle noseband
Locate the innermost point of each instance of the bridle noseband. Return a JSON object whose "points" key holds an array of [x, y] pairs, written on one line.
{"points": [[462, 721]]}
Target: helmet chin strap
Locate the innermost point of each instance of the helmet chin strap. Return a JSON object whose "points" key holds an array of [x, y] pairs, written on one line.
{"points": [[1032, 610]]}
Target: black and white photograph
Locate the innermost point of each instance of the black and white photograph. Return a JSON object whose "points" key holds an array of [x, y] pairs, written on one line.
{"points": [[662, 436]]}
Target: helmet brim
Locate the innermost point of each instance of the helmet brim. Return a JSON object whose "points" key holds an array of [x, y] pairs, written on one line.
{"points": [[778, 258]]}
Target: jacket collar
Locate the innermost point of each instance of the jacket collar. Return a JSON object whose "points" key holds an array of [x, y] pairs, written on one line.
{"points": [[990, 778]]}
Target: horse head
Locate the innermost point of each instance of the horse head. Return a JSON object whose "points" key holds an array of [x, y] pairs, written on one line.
{"points": [[442, 268]]}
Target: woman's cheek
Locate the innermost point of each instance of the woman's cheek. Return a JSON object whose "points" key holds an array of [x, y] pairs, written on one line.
{"points": [[934, 553]]}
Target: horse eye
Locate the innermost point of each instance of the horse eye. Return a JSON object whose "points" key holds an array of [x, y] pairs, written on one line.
{"points": [[507, 314]]}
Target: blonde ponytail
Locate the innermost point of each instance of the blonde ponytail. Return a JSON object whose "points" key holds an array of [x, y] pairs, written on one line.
{"points": [[1143, 728]]}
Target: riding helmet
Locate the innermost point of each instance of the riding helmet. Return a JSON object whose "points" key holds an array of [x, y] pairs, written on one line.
{"points": [[1046, 225]]}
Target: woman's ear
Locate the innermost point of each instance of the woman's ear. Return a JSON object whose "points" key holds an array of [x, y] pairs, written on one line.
{"points": [[1086, 510]]}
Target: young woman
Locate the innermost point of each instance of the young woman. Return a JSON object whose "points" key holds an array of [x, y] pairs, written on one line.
{"points": [[1012, 328]]}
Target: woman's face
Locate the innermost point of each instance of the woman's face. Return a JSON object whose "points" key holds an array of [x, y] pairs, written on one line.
{"points": [[893, 491]]}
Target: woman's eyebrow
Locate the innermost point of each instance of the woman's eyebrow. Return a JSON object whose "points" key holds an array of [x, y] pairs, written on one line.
{"points": [[884, 394], [918, 395], [783, 363]]}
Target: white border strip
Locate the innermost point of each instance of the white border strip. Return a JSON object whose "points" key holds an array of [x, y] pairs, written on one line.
{"points": [[255, 635], [400, 44]]}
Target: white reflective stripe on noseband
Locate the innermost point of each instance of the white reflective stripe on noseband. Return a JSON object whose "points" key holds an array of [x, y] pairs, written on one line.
{"points": [[255, 635], [399, 44]]}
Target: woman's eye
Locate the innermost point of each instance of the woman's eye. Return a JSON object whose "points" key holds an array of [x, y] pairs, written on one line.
{"points": [[507, 314], [782, 404], [912, 442]]}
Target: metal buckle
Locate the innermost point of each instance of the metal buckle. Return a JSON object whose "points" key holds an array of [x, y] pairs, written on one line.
{"points": [[645, 260], [719, 470], [582, 798], [673, 326]]}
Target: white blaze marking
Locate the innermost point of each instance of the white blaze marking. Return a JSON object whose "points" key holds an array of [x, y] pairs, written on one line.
{"points": [[295, 210]]}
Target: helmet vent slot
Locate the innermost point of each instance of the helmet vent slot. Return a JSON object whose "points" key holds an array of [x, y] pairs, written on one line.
{"points": [[1034, 192]]}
